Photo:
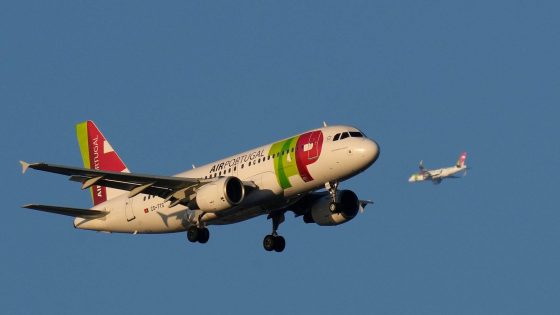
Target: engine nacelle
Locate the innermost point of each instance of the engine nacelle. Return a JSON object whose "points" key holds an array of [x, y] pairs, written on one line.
{"points": [[347, 206], [221, 194]]}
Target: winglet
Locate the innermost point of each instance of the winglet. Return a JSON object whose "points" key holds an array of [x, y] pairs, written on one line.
{"points": [[363, 204], [24, 166]]}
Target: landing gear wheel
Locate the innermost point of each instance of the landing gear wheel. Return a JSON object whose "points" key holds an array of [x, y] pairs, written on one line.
{"points": [[279, 244], [203, 235], [332, 207], [273, 241], [196, 234], [268, 243], [193, 234]]}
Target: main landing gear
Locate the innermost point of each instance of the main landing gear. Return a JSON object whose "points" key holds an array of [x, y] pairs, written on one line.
{"points": [[196, 234], [274, 241]]}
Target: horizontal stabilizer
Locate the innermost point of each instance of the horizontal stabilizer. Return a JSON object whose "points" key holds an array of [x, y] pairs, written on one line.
{"points": [[72, 212]]}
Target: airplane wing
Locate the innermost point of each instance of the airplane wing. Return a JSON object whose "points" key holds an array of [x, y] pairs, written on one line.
{"points": [[72, 212], [427, 174], [177, 189]]}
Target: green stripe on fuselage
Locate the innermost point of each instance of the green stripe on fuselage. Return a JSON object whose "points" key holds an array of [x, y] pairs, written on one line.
{"points": [[284, 167]]}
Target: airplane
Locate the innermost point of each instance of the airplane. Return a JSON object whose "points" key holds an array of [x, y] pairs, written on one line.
{"points": [[437, 175], [287, 175]]}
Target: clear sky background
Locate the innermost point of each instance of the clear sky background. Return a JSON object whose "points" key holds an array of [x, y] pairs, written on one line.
{"points": [[172, 83]]}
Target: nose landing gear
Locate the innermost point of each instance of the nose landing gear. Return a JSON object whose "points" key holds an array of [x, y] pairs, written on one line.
{"points": [[274, 241], [332, 188]]}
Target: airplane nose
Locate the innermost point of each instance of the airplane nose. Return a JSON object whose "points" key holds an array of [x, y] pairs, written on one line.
{"points": [[369, 151]]}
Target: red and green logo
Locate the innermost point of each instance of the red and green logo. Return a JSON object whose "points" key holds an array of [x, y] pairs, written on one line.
{"points": [[293, 155], [97, 154]]}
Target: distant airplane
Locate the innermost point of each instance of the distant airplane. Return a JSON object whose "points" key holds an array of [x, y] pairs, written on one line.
{"points": [[437, 175], [268, 180]]}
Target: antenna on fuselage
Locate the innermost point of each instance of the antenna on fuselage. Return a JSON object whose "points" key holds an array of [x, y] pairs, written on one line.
{"points": [[324, 123]]}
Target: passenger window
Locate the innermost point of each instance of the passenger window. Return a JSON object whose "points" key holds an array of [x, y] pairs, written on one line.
{"points": [[249, 163], [336, 137], [344, 135]]}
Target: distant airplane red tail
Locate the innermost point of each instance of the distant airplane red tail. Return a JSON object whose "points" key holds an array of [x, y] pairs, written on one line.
{"points": [[98, 154], [462, 159]]}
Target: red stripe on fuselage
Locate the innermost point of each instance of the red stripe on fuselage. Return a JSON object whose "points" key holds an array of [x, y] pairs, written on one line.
{"points": [[314, 142]]}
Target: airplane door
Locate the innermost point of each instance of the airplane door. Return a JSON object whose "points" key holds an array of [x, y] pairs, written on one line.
{"points": [[128, 210]]}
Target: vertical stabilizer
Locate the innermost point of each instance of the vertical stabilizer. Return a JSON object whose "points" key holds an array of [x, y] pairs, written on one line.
{"points": [[461, 160], [98, 154]]}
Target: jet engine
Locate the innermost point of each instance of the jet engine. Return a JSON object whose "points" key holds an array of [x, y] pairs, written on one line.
{"points": [[221, 194], [347, 206]]}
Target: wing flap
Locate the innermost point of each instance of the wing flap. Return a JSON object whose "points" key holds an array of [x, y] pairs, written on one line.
{"points": [[72, 212]]}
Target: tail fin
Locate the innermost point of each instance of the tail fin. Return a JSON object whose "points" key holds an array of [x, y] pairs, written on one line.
{"points": [[98, 154], [461, 160]]}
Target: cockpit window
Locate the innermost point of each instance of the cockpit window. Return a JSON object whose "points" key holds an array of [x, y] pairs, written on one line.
{"points": [[344, 135], [356, 134], [336, 137]]}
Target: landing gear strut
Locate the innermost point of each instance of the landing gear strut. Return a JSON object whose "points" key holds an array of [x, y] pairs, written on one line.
{"points": [[274, 241], [332, 188], [196, 234]]}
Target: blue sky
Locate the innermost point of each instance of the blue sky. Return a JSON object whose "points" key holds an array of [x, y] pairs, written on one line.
{"points": [[175, 83]]}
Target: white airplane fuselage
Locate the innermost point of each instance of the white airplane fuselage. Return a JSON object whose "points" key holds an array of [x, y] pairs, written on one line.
{"points": [[281, 172], [436, 175]]}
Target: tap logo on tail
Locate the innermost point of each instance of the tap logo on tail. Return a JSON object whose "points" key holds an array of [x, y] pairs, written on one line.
{"points": [[98, 154]]}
